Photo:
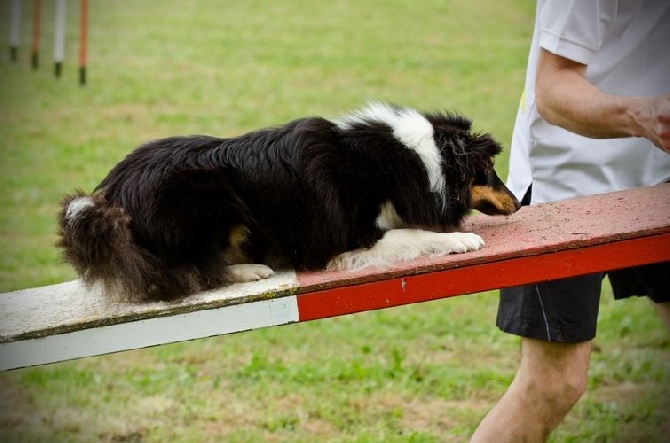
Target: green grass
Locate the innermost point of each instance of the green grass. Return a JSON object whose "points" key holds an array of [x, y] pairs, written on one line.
{"points": [[421, 373]]}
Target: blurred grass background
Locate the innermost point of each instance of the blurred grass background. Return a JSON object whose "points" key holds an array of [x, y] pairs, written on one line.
{"points": [[421, 373]]}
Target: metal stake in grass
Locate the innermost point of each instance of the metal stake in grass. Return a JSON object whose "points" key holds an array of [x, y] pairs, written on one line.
{"points": [[14, 30], [35, 50], [59, 36], [83, 31]]}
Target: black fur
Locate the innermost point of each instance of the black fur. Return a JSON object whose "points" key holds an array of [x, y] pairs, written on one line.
{"points": [[168, 219]]}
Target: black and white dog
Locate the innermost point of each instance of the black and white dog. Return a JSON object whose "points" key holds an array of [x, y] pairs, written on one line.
{"points": [[185, 214]]}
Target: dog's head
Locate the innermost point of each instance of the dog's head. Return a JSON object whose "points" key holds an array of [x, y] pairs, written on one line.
{"points": [[469, 157], [490, 195]]}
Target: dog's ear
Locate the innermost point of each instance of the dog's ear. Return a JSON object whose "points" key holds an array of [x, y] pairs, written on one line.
{"points": [[485, 145], [448, 122]]}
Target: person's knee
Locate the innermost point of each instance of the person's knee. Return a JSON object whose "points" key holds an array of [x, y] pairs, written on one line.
{"points": [[563, 389], [555, 376]]}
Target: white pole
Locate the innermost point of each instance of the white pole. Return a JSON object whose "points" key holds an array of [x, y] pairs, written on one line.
{"points": [[14, 29], [83, 40], [59, 35]]}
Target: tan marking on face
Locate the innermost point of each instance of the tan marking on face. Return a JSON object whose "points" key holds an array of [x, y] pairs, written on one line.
{"points": [[503, 203]]}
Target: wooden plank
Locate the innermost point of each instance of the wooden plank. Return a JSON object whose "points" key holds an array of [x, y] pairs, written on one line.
{"points": [[597, 233]]}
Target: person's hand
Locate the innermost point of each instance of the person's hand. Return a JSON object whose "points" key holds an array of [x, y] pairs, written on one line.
{"points": [[655, 122]]}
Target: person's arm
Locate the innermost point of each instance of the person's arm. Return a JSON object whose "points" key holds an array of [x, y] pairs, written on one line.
{"points": [[564, 97]]}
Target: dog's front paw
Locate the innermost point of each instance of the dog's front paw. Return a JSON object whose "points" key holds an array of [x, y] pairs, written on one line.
{"points": [[249, 272], [467, 241], [458, 243]]}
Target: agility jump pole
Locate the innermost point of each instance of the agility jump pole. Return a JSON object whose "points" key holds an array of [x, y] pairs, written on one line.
{"points": [[59, 36], [35, 47], [14, 30], [83, 36]]}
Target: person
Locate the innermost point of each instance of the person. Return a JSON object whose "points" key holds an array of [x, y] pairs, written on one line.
{"points": [[594, 118]]}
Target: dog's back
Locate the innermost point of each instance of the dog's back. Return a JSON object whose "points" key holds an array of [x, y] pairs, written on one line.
{"points": [[182, 214]]}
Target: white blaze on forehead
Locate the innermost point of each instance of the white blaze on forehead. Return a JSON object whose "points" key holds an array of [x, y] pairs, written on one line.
{"points": [[409, 127]]}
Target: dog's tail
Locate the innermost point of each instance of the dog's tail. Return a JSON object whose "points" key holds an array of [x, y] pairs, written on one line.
{"points": [[97, 241]]}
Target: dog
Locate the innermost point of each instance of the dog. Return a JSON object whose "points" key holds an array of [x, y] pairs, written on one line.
{"points": [[381, 185]]}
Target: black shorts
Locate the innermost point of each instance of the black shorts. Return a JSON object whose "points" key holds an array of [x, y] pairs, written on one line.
{"points": [[566, 310]]}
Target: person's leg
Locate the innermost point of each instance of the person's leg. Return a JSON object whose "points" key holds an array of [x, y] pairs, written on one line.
{"points": [[551, 378], [557, 321]]}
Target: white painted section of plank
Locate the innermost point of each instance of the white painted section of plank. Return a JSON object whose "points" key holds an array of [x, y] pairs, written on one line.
{"points": [[70, 306], [149, 332]]}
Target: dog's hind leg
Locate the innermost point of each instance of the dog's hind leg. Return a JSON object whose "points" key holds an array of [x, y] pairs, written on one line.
{"points": [[238, 254], [401, 245]]}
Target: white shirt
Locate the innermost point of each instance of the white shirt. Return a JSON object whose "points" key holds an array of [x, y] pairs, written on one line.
{"points": [[626, 47]]}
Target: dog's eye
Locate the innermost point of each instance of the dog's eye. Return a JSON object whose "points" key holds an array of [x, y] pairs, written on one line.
{"points": [[481, 178]]}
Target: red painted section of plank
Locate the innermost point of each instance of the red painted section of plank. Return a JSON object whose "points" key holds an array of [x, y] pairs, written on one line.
{"points": [[534, 230], [482, 277]]}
